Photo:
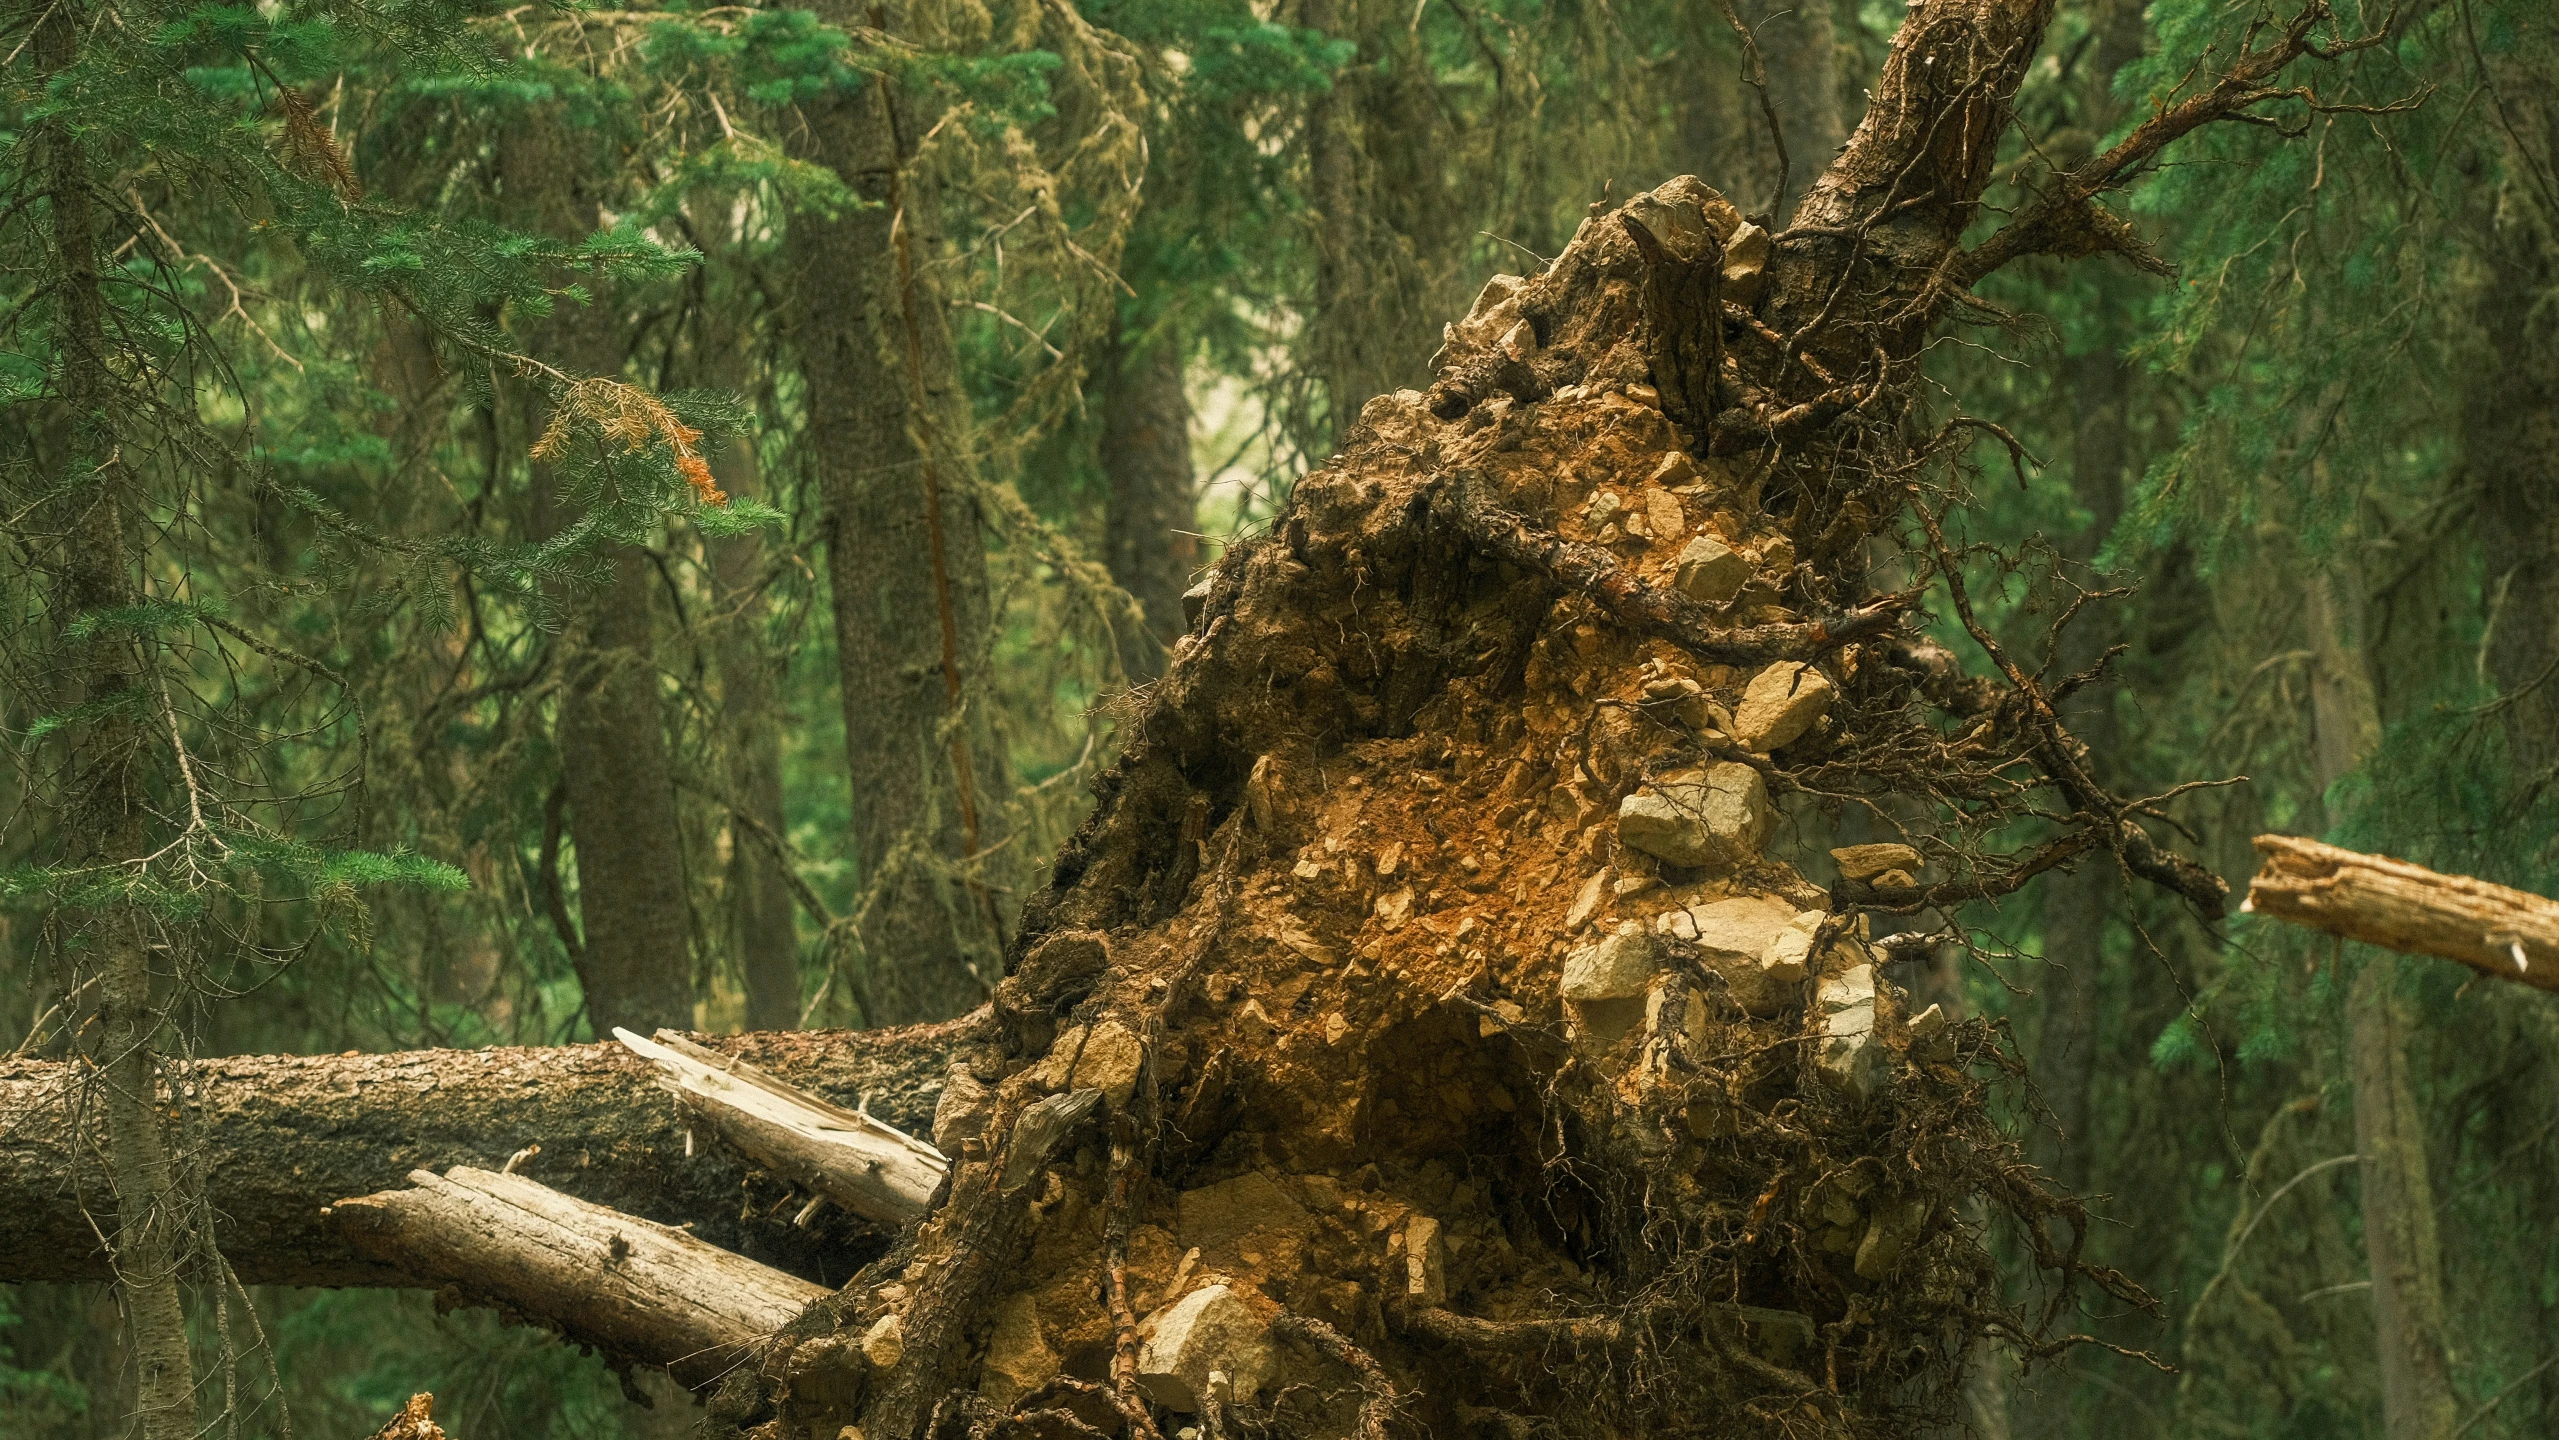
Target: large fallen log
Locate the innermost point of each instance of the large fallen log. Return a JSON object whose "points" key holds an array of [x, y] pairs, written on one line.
{"points": [[635, 1289], [2510, 934], [278, 1137], [851, 1157]]}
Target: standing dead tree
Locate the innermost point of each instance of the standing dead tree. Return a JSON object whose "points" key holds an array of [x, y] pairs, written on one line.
{"points": [[1424, 1033]]}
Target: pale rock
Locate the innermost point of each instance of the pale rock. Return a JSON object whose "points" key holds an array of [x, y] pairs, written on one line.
{"points": [[1104, 1057], [1746, 264], [1210, 1330], [1710, 571], [1616, 968], [1865, 862], [1932, 1034], [1520, 341], [1603, 508], [1741, 937], [1662, 512], [1895, 880], [1676, 469], [1718, 816], [1389, 858], [1425, 1263], [884, 1344], [1777, 553], [1195, 602], [1307, 869], [1018, 1359], [1788, 958], [1851, 1056], [961, 1114], [1780, 704], [1394, 908], [1604, 986], [1586, 901]]}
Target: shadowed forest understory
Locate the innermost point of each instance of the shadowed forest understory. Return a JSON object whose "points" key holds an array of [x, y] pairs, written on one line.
{"points": [[1050, 719]]}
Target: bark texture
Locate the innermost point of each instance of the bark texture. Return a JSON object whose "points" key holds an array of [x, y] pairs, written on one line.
{"points": [[1799, 43], [761, 907], [2399, 1215], [1154, 493], [633, 952], [2509, 435], [634, 1289], [906, 564], [2509, 934], [104, 807], [278, 1137]]}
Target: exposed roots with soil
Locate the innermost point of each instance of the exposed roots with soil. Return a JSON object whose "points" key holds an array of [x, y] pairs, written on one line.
{"points": [[1421, 1036]]}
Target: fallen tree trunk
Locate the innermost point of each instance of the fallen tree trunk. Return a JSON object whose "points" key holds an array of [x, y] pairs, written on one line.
{"points": [[278, 1137], [851, 1157], [2510, 934], [637, 1290]]}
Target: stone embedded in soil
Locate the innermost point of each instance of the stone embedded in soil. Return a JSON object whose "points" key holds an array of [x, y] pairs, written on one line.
{"points": [[884, 1344], [1747, 940], [1710, 571], [1888, 1235], [1209, 1331], [1604, 984], [1851, 1057], [1105, 1058], [1663, 515], [1586, 901], [1717, 817], [1932, 1034], [1865, 862], [961, 1114], [1018, 1360], [1616, 968], [1425, 1263], [1780, 704]]}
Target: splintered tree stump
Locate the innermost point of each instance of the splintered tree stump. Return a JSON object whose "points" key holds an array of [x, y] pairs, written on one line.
{"points": [[2509, 934], [632, 1288], [866, 1165]]}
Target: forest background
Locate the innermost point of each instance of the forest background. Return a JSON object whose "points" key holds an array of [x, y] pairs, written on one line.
{"points": [[513, 421]]}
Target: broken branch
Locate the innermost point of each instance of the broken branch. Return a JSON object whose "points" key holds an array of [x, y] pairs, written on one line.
{"points": [[2510, 934]]}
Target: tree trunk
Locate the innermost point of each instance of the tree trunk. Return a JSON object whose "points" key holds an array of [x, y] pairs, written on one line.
{"points": [[636, 964], [634, 956], [2398, 1193], [2399, 1214], [104, 807], [767, 932], [279, 1137], [635, 1290], [888, 434], [2509, 436], [1154, 493], [1799, 44]]}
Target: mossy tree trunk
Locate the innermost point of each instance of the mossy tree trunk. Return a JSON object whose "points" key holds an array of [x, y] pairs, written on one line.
{"points": [[906, 564], [632, 945], [109, 676]]}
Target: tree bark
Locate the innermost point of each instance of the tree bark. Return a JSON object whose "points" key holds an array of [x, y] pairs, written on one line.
{"points": [[2390, 1131], [634, 955], [888, 432], [2399, 1215], [636, 1290], [281, 1136], [2509, 934], [1154, 492], [1798, 42], [761, 907], [104, 807]]}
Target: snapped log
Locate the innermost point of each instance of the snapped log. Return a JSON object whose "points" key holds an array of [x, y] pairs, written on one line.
{"points": [[276, 1138], [2510, 934], [630, 1287], [851, 1157]]}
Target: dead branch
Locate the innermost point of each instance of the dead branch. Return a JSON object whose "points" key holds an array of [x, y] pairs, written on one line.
{"points": [[2512, 935]]}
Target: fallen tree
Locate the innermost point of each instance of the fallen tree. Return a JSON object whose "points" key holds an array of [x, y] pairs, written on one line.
{"points": [[1432, 1024], [274, 1139], [2508, 934]]}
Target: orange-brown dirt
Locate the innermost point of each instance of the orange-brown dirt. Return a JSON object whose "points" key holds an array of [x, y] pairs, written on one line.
{"points": [[1310, 950]]}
